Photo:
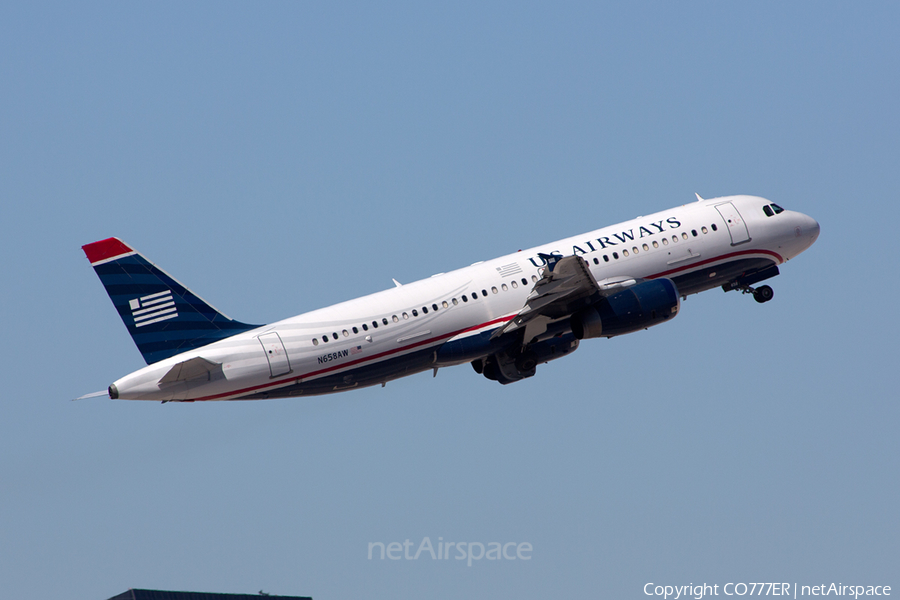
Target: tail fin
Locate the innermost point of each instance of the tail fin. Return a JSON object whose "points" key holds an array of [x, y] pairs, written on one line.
{"points": [[163, 317]]}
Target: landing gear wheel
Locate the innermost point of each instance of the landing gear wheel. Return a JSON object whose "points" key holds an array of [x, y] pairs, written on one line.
{"points": [[763, 294]]}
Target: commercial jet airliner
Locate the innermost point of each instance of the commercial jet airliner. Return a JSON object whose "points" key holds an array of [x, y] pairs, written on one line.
{"points": [[504, 316]]}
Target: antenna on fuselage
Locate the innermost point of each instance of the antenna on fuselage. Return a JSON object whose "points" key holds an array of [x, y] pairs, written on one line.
{"points": [[699, 199], [397, 283]]}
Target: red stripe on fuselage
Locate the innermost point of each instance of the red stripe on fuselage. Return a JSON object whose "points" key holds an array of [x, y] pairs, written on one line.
{"points": [[104, 249], [692, 266], [291, 380]]}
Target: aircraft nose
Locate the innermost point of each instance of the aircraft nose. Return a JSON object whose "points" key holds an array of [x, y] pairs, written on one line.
{"points": [[809, 228], [806, 232]]}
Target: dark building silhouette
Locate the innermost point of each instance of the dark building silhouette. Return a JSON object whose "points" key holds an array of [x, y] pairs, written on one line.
{"points": [[166, 595]]}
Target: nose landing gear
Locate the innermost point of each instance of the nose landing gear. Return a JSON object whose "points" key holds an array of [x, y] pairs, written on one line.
{"points": [[744, 283], [762, 294]]}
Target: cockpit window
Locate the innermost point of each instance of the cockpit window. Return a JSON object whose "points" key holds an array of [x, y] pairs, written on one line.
{"points": [[768, 210], [777, 209]]}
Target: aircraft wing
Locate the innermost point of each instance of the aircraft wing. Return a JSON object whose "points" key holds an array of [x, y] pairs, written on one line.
{"points": [[565, 286]]}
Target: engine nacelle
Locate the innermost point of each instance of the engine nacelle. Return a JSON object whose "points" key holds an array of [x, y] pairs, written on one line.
{"points": [[508, 367], [638, 307]]}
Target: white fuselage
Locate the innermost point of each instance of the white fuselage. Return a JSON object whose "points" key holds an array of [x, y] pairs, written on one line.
{"points": [[399, 331]]}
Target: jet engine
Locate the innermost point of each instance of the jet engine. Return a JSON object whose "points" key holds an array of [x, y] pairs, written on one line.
{"points": [[509, 366], [634, 308]]}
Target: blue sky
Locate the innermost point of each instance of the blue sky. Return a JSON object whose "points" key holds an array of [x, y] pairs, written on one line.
{"points": [[281, 157]]}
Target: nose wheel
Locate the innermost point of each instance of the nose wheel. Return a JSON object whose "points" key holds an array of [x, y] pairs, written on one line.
{"points": [[763, 294]]}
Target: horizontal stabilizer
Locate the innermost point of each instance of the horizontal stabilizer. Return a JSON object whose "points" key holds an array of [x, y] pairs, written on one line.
{"points": [[163, 317], [197, 368], [92, 395]]}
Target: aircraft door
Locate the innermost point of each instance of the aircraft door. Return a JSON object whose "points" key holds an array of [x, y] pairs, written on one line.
{"points": [[736, 225], [275, 353]]}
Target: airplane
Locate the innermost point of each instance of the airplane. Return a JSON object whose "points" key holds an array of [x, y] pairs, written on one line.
{"points": [[504, 316]]}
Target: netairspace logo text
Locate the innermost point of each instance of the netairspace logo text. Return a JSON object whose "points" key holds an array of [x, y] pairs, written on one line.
{"points": [[467, 551], [675, 592]]}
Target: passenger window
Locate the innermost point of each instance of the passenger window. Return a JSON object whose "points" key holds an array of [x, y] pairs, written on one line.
{"points": [[464, 298], [665, 241], [434, 307], [355, 330], [634, 250], [325, 339], [375, 324], [616, 255], [684, 236], [484, 293], [624, 253], [704, 229], [346, 333], [365, 327], [514, 284], [714, 228], [455, 302], [315, 342], [405, 316], [694, 232], [334, 336], [444, 304], [596, 261], [424, 310], [504, 288], [675, 238], [524, 281], [533, 278], [384, 321], [415, 313], [605, 258], [494, 289], [645, 247], [395, 319], [655, 244]]}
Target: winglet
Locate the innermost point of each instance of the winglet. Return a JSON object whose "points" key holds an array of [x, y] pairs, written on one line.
{"points": [[550, 260]]}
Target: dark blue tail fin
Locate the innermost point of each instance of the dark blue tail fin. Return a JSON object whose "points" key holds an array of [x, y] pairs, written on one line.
{"points": [[163, 317]]}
